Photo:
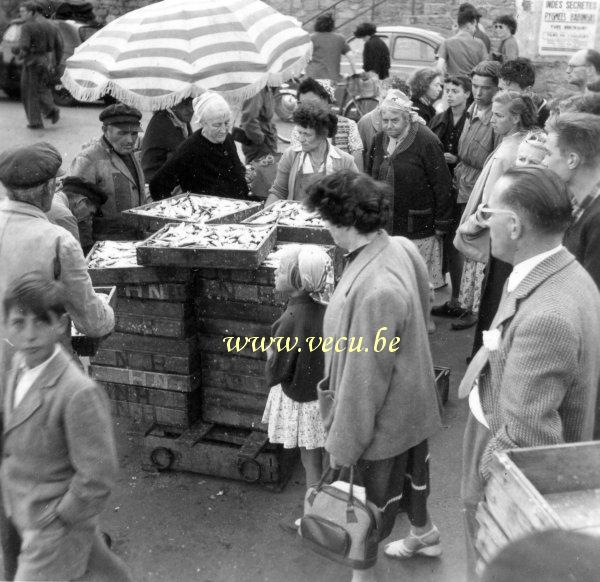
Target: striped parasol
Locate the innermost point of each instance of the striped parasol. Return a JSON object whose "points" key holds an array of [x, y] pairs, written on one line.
{"points": [[154, 57]]}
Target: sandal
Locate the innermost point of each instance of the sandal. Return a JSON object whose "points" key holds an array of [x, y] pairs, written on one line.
{"points": [[427, 544]]}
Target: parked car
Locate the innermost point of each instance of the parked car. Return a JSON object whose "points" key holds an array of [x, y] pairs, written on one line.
{"points": [[72, 33], [411, 48]]}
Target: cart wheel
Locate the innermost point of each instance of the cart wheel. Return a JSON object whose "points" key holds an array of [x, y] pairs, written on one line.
{"points": [[357, 107], [250, 470], [162, 458]]}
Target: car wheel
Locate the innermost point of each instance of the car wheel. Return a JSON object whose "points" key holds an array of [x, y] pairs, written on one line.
{"points": [[62, 97]]}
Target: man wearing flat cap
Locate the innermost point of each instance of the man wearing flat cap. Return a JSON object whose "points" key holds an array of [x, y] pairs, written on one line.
{"points": [[111, 168], [30, 242]]}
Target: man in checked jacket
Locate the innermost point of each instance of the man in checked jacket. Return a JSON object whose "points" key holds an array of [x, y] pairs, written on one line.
{"points": [[535, 380]]}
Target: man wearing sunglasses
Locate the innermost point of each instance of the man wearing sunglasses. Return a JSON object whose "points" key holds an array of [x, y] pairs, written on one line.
{"points": [[535, 380]]}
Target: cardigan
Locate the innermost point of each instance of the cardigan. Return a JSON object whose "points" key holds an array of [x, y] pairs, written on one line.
{"points": [[426, 112], [583, 240], [376, 404], [449, 134], [298, 370], [540, 386], [421, 192], [201, 166]]}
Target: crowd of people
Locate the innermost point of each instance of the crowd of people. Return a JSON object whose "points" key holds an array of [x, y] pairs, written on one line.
{"points": [[462, 174]]}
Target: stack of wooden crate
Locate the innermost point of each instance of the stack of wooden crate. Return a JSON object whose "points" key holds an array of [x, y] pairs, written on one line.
{"points": [[150, 365]]}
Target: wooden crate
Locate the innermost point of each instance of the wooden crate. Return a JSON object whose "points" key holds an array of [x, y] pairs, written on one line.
{"points": [[227, 310], [204, 257], [133, 273], [219, 451], [187, 348], [154, 326], [171, 292], [214, 344], [151, 362], [233, 408], [178, 418], [160, 380], [233, 364], [540, 488], [180, 310], [140, 218], [216, 289]]}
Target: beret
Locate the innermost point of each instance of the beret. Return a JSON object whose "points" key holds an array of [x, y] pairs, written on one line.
{"points": [[30, 165], [75, 185], [120, 113]]}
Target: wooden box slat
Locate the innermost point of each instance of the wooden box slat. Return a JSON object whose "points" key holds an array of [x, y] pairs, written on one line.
{"points": [[155, 326], [234, 364], [214, 344], [203, 257], [237, 382], [172, 292], [168, 363], [159, 380], [147, 413], [172, 309], [233, 408], [228, 310], [187, 347], [239, 292]]}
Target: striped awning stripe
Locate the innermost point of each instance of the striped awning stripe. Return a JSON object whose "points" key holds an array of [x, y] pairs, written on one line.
{"points": [[153, 57]]}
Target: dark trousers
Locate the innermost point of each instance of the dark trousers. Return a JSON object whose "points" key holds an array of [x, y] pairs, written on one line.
{"points": [[497, 272], [10, 540], [35, 92]]}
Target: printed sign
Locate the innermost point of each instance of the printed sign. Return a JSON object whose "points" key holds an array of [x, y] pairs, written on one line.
{"points": [[568, 26]]}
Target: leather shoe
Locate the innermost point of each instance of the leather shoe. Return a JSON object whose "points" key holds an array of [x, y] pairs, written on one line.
{"points": [[465, 322], [448, 310], [35, 126], [55, 115]]}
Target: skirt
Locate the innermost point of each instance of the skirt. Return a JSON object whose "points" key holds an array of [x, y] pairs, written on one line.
{"points": [[431, 251], [293, 424], [396, 485], [471, 285]]}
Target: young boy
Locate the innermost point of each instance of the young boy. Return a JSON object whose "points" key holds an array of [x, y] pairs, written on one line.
{"points": [[59, 457]]}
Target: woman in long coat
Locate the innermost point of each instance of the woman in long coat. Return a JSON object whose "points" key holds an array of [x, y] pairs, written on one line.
{"points": [[379, 404]]}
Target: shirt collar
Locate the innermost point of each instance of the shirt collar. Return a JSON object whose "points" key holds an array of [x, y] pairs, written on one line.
{"points": [[522, 269], [485, 115], [580, 207]]}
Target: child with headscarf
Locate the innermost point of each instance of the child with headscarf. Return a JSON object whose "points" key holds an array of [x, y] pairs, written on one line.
{"points": [[304, 273]]}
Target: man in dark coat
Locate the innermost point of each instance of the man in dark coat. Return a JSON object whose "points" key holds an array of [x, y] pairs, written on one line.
{"points": [[166, 131], [258, 132], [376, 54], [41, 48]]}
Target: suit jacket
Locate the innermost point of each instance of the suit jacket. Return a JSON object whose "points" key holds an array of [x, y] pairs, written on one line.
{"points": [[540, 386], [59, 456], [378, 404]]}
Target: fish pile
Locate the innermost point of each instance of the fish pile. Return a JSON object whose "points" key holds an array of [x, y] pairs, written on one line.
{"points": [[194, 208], [111, 254], [219, 236], [287, 213]]}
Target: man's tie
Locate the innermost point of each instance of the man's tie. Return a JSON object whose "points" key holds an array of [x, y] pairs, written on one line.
{"points": [[481, 358]]}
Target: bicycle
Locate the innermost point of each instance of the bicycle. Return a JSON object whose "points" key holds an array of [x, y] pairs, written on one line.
{"points": [[359, 97]]}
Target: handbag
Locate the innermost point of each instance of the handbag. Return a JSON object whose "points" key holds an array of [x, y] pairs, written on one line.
{"points": [[339, 526]]}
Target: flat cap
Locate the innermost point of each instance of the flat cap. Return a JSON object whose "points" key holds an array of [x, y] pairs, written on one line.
{"points": [[30, 165], [121, 114]]}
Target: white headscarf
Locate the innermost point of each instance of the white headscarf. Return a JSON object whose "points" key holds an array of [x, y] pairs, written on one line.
{"points": [[208, 102], [398, 101]]}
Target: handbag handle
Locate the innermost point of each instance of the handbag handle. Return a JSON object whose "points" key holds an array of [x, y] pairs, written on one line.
{"points": [[350, 513]]}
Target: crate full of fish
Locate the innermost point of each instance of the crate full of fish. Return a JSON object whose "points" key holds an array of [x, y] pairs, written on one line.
{"points": [[115, 263], [223, 246], [294, 223], [195, 208]]}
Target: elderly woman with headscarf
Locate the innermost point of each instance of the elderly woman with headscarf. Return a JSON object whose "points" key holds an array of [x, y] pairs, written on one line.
{"points": [[314, 156], [207, 161], [409, 157]]}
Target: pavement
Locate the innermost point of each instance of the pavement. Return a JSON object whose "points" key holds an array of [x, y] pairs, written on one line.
{"points": [[183, 527]]}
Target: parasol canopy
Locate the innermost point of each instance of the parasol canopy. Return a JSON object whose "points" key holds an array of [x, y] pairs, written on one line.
{"points": [[154, 57]]}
